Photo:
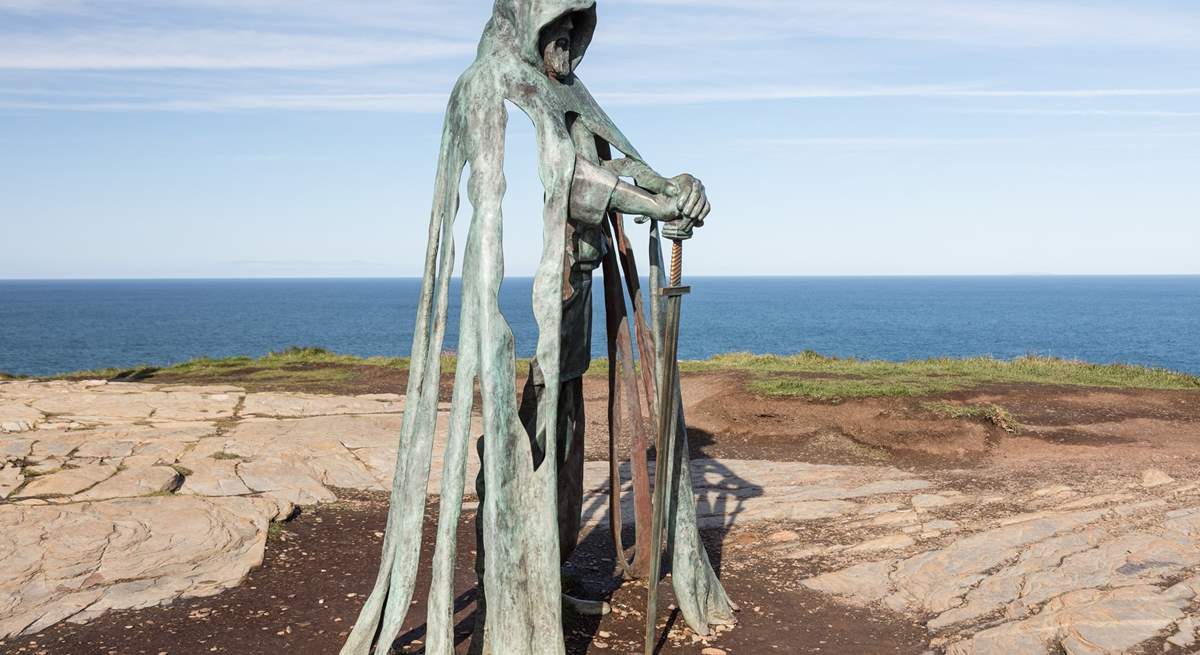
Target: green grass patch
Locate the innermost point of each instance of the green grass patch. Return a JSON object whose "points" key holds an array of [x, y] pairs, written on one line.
{"points": [[808, 374], [134, 374], [296, 365], [818, 377], [988, 412], [182, 470], [215, 367]]}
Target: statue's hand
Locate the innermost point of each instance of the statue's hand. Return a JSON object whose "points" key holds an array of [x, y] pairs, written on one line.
{"points": [[680, 230], [690, 198], [666, 209]]}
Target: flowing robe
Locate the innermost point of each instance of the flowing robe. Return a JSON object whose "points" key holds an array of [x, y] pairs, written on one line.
{"points": [[519, 517]]}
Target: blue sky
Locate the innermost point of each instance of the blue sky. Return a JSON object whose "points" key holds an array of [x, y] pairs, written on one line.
{"points": [[247, 138]]}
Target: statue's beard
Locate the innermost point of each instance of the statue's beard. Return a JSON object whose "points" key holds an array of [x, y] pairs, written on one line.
{"points": [[558, 60]]}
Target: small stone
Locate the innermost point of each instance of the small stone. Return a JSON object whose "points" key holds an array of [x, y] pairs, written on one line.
{"points": [[879, 508], [712, 651], [1053, 490], [783, 536], [862, 583], [926, 502], [1155, 478], [10, 479], [1185, 634], [890, 542]]}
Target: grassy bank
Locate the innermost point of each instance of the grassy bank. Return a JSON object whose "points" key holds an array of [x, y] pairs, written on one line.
{"points": [[828, 378], [807, 375]]}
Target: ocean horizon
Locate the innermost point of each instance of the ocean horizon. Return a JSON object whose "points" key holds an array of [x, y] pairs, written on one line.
{"points": [[55, 326]]}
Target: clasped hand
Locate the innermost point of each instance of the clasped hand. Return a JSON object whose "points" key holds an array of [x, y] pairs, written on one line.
{"points": [[689, 207]]}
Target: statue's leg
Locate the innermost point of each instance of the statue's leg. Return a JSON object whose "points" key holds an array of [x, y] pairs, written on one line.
{"points": [[571, 426], [479, 633], [527, 412]]}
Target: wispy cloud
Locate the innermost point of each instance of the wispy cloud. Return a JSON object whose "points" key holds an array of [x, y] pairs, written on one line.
{"points": [[389, 55], [41, 7], [210, 50], [1081, 93], [308, 263], [878, 142], [434, 102], [444, 17], [757, 94], [417, 103], [1005, 23], [1116, 113]]}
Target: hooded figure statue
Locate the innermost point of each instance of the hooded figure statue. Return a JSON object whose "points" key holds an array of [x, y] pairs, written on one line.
{"points": [[530, 481]]}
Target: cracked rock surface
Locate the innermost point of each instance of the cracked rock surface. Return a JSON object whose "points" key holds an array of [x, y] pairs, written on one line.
{"points": [[123, 496], [1048, 571]]}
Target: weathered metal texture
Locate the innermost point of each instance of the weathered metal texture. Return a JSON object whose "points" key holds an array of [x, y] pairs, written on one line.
{"points": [[625, 410], [518, 514], [648, 365]]}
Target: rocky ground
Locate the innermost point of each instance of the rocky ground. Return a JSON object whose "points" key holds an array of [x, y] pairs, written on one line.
{"points": [[874, 526]]}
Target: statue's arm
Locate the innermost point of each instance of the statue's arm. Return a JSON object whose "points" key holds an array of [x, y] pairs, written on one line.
{"points": [[637, 201], [688, 192], [640, 172], [599, 189]]}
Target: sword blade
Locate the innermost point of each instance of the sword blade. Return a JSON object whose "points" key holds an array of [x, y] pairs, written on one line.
{"points": [[668, 429]]}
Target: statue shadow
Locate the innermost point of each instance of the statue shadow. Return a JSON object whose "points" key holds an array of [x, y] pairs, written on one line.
{"points": [[721, 495]]}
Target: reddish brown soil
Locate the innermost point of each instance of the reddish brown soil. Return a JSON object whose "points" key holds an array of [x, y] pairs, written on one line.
{"points": [[1063, 426], [728, 421], [308, 591]]}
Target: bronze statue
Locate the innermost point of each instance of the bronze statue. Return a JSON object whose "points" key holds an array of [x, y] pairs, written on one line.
{"points": [[531, 482]]}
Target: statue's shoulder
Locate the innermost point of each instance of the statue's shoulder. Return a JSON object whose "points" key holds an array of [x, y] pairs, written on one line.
{"points": [[489, 74], [490, 81]]}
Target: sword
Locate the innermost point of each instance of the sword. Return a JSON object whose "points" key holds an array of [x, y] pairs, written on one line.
{"points": [[668, 433]]}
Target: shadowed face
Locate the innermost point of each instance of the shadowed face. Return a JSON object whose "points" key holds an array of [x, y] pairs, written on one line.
{"points": [[556, 47]]}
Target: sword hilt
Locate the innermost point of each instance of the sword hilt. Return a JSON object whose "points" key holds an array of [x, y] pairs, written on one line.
{"points": [[676, 263]]}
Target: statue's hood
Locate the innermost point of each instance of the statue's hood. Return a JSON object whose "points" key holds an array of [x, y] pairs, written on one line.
{"points": [[519, 24]]}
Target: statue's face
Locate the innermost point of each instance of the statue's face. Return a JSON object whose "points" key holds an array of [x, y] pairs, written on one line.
{"points": [[556, 47]]}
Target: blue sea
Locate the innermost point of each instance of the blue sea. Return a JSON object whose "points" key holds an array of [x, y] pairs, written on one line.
{"points": [[49, 327]]}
